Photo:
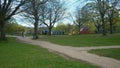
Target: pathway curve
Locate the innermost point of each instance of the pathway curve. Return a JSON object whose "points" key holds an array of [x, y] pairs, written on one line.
{"points": [[79, 53]]}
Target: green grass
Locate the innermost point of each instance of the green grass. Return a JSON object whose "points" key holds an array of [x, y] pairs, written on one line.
{"points": [[113, 53], [84, 40], [14, 54]]}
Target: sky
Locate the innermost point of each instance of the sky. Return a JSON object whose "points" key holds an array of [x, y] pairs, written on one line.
{"points": [[70, 5], [71, 8]]}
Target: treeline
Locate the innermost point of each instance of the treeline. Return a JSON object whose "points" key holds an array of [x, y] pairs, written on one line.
{"points": [[47, 12], [104, 14]]}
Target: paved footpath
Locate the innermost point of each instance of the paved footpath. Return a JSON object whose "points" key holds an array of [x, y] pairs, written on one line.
{"points": [[79, 53]]}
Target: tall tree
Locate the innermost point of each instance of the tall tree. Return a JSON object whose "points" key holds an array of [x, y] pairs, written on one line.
{"points": [[8, 8], [93, 15], [85, 14], [111, 12], [52, 12], [97, 23], [82, 15], [102, 9], [105, 10], [33, 14], [101, 5], [80, 18]]}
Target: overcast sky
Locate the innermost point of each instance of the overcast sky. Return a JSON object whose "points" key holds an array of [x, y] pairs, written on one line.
{"points": [[70, 5]]}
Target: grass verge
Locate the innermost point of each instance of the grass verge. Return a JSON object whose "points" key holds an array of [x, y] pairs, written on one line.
{"points": [[84, 40], [14, 54], [113, 52]]}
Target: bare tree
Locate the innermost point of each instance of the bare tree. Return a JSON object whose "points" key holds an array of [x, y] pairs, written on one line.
{"points": [[8, 8], [79, 19], [83, 15], [52, 12], [33, 14]]}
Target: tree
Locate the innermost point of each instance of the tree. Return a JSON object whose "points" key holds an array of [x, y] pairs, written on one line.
{"points": [[103, 11], [62, 27], [8, 8], [52, 12], [101, 5], [112, 11], [33, 13], [79, 20], [93, 15], [83, 15], [97, 23], [13, 27], [68, 29]]}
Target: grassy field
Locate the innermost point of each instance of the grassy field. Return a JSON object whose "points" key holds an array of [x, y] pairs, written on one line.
{"points": [[14, 54], [113, 53], [84, 40]]}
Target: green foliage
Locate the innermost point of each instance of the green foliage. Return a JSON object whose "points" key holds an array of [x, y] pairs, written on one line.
{"points": [[103, 13], [14, 54], [14, 27], [64, 27], [68, 29], [84, 40], [91, 26], [113, 53], [117, 24]]}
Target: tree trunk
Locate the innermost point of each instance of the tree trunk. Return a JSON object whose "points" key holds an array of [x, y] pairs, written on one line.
{"points": [[98, 29], [2, 32], [103, 26], [79, 29], [50, 31], [35, 35], [111, 27]]}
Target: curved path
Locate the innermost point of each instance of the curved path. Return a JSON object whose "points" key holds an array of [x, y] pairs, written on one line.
{"points": [[79, 53]]}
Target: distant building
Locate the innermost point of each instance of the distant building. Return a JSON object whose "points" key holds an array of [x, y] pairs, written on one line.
{"points": [[53, 32]]}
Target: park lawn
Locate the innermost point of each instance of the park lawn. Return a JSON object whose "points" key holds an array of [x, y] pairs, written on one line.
{"points": [[113, 52], [14, 54], [83, 40]]}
